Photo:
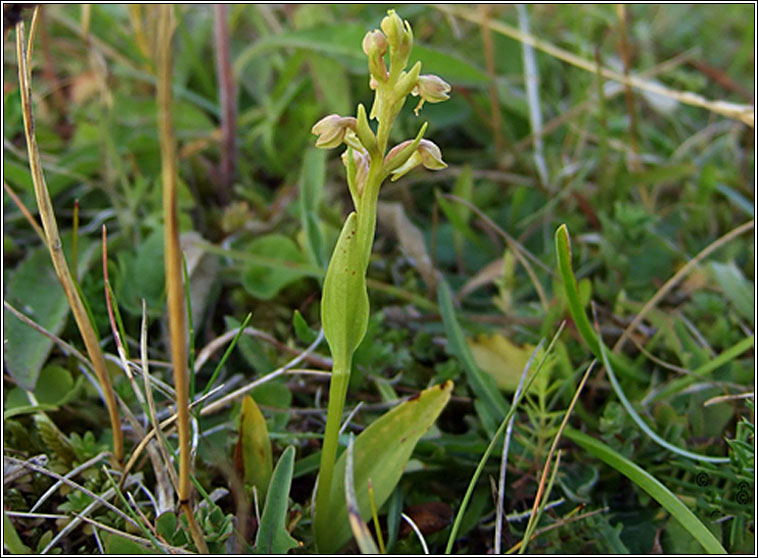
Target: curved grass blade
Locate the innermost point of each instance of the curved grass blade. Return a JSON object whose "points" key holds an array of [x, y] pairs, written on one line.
{"points": [[652, 486], [563, 249]]}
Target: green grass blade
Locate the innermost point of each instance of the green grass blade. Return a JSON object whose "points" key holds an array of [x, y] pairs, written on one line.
{"points": [[641, 423], [652, 486], [493, 442], [725, 357], [563, 248]]}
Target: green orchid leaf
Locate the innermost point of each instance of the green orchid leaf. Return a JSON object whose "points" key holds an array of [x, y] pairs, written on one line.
{"points": [[380, 455], [252, 455], [344, 305], [273, 537]]}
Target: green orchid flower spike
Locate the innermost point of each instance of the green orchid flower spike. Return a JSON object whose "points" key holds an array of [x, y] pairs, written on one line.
{"points": [[344, 303]]}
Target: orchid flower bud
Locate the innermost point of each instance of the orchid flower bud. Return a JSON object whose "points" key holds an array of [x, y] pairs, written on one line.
{"points": [[331, 130], [399, 37], [361, 161], [375, 47], [430, 88], [427, 153]]}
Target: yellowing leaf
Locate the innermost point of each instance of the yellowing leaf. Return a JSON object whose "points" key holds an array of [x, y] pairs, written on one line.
{"points": [[501, 359], [252, 455]]}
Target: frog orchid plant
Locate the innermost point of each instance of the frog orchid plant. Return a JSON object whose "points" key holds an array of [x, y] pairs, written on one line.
{"points": [[344, 303]]}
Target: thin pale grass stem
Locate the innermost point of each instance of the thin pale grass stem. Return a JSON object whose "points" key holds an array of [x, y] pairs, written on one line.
{"points": [[226, 355], [608, 93], [73, 472], [163, 546], [26, 213], [225, 400], [135, 517], [725, 398], [678, 276], [74, 523], [163, 425], [418, 532], [123, 357], [521, 516], [500, 510], [141, 514], [33, 515], [546, 468], [33, 26], [98, 542], [153, 415], [350, 416], [216, 344], [47, 215], [68, 349], [641, 423], [660, 362], [532, 80], [99, 499]]}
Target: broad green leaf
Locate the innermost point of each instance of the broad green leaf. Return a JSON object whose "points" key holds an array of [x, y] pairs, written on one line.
{"points": [[312, 180], [252, 454], [273, 537], [481, 384], [381, 453], [651, 485], [33, 288], [344, 304], [263, 281], [54, 385]]}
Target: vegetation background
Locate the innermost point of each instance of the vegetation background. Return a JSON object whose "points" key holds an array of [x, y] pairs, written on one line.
{"points": [[533, 139]]}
